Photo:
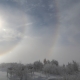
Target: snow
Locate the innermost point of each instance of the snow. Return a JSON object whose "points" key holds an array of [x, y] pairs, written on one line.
{"points": [[36, 76], [40, 76], [3, 75]]}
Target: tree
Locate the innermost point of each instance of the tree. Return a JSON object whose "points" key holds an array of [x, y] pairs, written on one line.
{"points": [[75, 66], [51, 69], [38, 65], [54, 62], [30, 68], [72, 68], [17, 70], [45, 62]]}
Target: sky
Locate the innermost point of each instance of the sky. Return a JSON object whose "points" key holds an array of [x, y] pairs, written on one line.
{"points": [[32, 30]]}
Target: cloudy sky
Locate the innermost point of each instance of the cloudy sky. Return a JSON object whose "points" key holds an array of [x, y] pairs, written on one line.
{"points": [[32, 30]]}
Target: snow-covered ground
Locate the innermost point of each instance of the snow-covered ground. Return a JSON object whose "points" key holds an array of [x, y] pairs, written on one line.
{"points": [[36, 76], [40, 76], [3, 75]]}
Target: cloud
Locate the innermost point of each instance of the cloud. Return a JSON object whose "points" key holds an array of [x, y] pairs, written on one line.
{"points": [[14, 24], [21, 2], [13, 28], [67, 46], [40, 28], [69, 24]]}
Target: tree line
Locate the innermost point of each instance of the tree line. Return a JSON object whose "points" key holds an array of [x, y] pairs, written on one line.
{"points": [[47, 67]]}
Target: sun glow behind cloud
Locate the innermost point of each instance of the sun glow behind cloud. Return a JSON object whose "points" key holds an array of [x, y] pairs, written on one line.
{"points": [[2, 25], [12, 27]]}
